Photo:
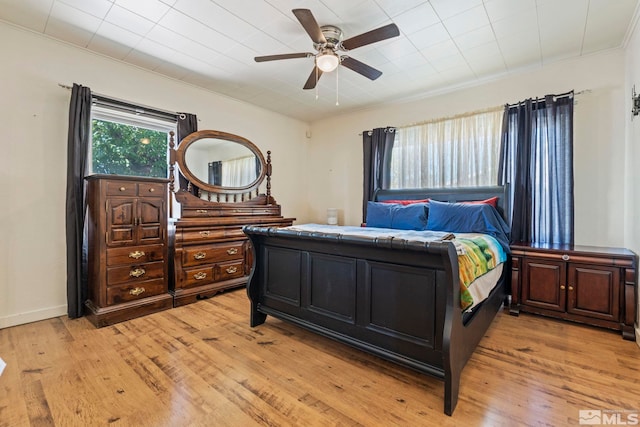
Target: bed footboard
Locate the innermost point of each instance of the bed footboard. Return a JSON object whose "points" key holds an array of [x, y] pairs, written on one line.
{"points": [[389, 297]]}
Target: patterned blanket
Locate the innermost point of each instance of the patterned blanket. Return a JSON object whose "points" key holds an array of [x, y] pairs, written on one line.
{"points": [[477, 255]]}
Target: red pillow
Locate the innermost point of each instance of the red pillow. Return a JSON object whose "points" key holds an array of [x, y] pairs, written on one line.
{"points": [[405, 202], [493, 201]]}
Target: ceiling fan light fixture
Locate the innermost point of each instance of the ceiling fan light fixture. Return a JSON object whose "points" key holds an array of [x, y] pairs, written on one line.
{"points": [[327, 62]]}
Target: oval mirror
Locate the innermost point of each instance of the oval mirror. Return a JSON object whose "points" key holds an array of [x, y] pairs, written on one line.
{"points": [[220, 162]]}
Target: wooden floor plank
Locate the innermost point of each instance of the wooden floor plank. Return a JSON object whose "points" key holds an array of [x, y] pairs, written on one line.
{"points": [[201, 365]]}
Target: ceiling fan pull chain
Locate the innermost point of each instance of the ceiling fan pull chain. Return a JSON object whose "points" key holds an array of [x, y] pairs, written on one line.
{"points": [[337, 87]]}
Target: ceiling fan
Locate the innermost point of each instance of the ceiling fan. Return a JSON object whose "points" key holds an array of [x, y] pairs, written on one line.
{"points": [[328, 43]]}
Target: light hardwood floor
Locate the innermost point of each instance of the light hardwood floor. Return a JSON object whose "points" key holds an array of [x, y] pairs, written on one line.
{"points": [[202, 365]]}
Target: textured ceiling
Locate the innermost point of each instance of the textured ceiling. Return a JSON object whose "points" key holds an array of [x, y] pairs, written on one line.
{"points": [[443, 44]]}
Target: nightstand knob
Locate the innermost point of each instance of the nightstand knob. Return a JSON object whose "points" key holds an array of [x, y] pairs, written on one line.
{"points": [[562, 287], [565, 257], [570, 288]]}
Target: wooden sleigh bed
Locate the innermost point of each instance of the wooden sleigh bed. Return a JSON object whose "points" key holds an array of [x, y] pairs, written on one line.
{"points": [[395, 298]]}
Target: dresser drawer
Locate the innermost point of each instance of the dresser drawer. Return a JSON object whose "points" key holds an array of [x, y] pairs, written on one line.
{"points": [[135, 255], [230, 270], [205, 235], [150, 189], [135, 273], [199, 255], [121, 188], [133, 291], [196, 276]]}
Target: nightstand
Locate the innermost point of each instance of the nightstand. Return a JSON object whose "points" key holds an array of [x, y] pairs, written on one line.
{"points": [[593, 285]]}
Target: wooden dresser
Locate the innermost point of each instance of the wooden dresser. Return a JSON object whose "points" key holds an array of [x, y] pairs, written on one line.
{"points": [[128, 248], [218, 196], [211, 251], [593, 285]]}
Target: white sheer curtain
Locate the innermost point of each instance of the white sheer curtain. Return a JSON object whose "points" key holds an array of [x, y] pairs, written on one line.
{"points": [[461, 151], [239, 172]]}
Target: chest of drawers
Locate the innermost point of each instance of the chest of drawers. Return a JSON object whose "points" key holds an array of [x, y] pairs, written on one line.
{"points": [[127, 248]]}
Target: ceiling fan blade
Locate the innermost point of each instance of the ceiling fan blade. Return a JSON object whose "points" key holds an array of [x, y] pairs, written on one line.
{"points": [[361, 68], [283, 56], [313, 78], [379, 34], [310, 25]]}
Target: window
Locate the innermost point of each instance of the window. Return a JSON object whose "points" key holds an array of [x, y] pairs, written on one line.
{"points": [[127, 140], [461, 151]]}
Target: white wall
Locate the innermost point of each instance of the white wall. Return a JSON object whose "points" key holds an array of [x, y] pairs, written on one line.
{"points": [[632, 151], [33, 122], [599, 149]]}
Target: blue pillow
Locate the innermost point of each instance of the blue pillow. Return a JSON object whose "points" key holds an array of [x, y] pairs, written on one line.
{"points": [[379, 214], [468, 218], [390, 215], [410, 217]]}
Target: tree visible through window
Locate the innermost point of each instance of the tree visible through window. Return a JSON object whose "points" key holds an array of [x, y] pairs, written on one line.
{"points": [[121, 149], [129, 143]]}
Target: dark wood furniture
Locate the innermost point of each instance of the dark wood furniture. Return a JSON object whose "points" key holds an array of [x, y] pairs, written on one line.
{"points": [[209, 250], [397, 299], [592, 285], [127, 259]]}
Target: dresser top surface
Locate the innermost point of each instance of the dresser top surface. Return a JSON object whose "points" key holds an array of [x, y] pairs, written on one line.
{"points": [[98, 176], [566, 248]]}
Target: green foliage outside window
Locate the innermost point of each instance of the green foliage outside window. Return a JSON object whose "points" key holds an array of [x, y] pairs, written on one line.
{"points": [[121, 149]]}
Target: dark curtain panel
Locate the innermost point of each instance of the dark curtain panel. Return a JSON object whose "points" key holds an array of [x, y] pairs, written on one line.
{"points": [[215, 173], [537, 160], [187, 123], [77, 150], [377, 146]]}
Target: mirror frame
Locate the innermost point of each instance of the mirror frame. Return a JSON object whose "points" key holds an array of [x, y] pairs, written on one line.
{"points": [[194, 137]]}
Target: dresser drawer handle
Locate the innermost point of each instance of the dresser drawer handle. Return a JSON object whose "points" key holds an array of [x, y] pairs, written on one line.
{"points": [[566, 257], [200, 275], [205, 233], [199, 255], [122, 188], [151, 190], [201, 211], [232, 251], [136, 254], [136, 291], [231, 270], [137, 272]]}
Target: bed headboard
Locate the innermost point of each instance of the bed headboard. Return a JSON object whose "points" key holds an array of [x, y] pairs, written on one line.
{"points": [[451, 195]]}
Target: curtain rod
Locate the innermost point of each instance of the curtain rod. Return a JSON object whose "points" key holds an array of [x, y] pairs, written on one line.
{"points": [[570, 94], [129, 105], [476, 112], [439, 119]]}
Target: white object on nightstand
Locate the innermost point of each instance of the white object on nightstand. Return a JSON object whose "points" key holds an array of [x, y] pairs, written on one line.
{"points": [[332, 216]]}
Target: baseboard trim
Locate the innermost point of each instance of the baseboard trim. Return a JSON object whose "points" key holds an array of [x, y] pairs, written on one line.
{"points": [[34, 316], [638, 335]]}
